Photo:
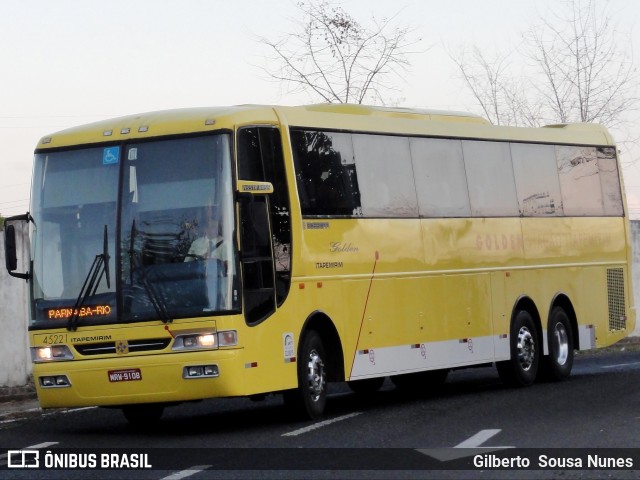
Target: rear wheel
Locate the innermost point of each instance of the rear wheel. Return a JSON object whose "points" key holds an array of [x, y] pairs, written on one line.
{"points": [[559, 362], [522, 368], [310, 398]]}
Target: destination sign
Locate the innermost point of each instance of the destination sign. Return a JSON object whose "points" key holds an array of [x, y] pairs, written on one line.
{"points": [[88, 311]]}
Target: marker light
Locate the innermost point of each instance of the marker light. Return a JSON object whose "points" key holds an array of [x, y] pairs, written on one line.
{"points": [[55, 381], [200, 371], [52, 353], [228, 338]]}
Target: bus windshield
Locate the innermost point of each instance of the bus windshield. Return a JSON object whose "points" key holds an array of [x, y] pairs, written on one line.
{"points": [[172, 255]]}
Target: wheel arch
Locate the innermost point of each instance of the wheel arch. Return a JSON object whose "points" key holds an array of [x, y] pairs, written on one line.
{"points": [[527, 304], [321, 323], [563, 301]]}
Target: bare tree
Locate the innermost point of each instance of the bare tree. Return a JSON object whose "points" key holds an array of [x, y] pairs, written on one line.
{"points": [[588, 77], [578, 71], [338, 60], [501, 96]]}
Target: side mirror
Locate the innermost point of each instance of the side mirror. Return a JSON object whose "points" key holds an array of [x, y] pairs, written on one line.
{"points": [[10, 253], [10, 248]]}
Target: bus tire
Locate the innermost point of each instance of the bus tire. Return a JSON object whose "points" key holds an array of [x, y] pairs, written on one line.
{"points": [[309, 399], [366, 386], [521, 370], [559, 362], [143, 415]]}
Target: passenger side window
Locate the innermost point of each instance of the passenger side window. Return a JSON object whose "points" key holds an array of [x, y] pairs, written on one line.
{"points": [[610, 181], [536, 174], [492, 190], [440, 180], [579, 180], [385, 176], [326, 173]]}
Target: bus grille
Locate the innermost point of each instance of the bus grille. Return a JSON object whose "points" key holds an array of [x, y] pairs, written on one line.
{"points": [[105, 348], [615, 293]]}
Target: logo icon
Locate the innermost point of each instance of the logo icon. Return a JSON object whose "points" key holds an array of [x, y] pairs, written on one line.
{"points": [[122, 347], [110, 155], [23, 459]]}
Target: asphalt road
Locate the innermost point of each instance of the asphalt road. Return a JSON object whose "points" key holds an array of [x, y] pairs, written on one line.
{"points": [[455, 432]]}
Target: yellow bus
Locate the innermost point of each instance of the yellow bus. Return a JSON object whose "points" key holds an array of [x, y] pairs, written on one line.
{"points": [[249, 250]]}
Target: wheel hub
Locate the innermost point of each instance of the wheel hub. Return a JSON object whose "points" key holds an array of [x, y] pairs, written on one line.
{"points": [[315, 375], [526, 349], [560, 344]]}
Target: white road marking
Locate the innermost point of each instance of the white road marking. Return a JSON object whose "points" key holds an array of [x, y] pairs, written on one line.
{"points": [[620, 365], [478, 439], [320, 425], [471, 446], [187, 473], [68, 410]]}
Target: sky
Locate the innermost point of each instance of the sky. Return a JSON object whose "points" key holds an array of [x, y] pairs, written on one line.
{"points": [[69, 62]]}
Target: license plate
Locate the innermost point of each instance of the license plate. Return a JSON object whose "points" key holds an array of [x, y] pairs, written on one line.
{"points": [[127, 375]]}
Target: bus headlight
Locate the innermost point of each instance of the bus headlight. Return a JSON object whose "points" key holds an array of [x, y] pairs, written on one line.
{"points": [[206, 340], [51, 353]]}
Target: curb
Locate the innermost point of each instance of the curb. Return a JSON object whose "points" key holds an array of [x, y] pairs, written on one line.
{"points": [[21, 392]]}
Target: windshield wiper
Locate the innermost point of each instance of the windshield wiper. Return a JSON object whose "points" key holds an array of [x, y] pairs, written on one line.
{"points": [[156, 300], [99, 267], [105, 256]]}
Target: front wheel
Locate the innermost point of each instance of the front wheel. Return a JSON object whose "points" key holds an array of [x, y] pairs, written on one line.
{"points": [[310, 398], [522, 368]]}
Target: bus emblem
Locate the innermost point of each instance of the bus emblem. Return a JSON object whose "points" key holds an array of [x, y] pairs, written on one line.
{"points": [[122, 347]]}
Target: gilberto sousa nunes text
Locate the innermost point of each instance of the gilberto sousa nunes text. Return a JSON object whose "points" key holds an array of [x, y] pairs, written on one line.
{"points": [[544, 461]]}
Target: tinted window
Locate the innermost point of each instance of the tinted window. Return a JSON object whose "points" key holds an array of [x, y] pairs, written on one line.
{"points": [[325, 173], [579, 180], [489, 172], [260, 159], [440, 180], [385, 176], [609, 181], [536, 174]]}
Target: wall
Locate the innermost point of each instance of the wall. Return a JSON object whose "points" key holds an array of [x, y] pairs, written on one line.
{"points": [[14, 353]]}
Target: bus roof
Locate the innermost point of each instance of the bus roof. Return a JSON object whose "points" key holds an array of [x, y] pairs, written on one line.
{"points": [[348, 117]]}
